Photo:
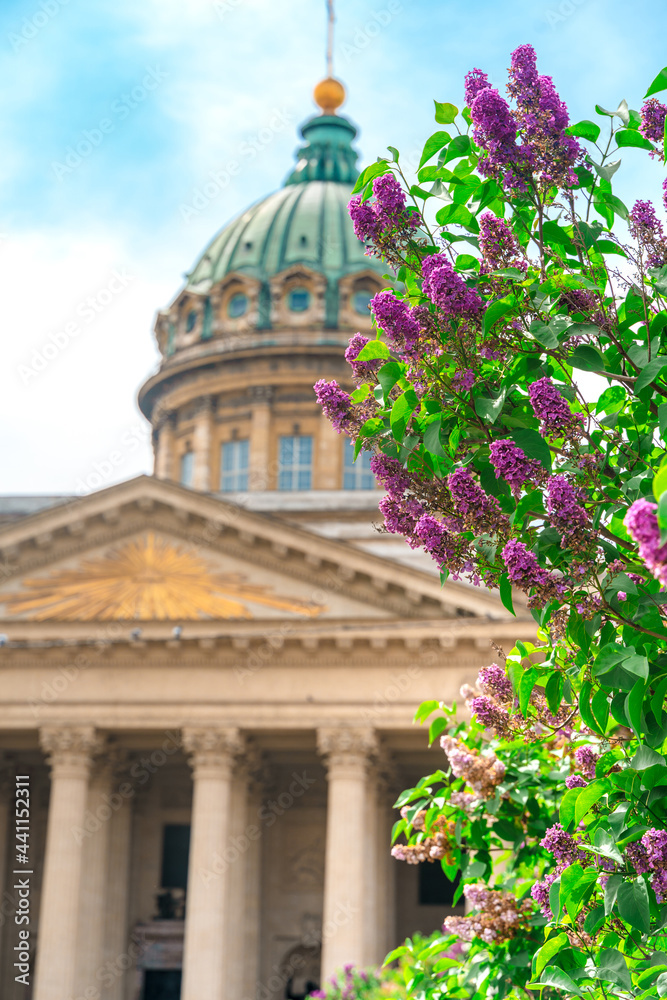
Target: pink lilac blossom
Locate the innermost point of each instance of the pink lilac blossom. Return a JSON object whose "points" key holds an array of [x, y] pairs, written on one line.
{"points": [[472, 505], [362, 370], [335, 403], [642, 524], [652, 125], [513, 465], [498, 245], [434, 537], [540, 890], [474, 81], [390, 474], [586, 759], [562, 845], [575, 781], [552, 410], [463, 381], [490, 714], [401, 516], [563, 503], [522, 565], [646, 228], [493, 680], [372, 221], [483, 773], [447, 290], [494, 131], [498, 916], [649, 855], [397, 320]]}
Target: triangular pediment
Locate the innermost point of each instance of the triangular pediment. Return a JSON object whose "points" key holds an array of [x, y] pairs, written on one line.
{"points": [[151, 551]]}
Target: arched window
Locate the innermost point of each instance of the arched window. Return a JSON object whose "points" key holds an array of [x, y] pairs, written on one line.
{"points": [[298, 299], [357, 475], [237, 305], [295, 460], [234, 466]]}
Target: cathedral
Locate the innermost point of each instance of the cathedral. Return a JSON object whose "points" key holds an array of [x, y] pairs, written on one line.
{"points": [[209, 675]]}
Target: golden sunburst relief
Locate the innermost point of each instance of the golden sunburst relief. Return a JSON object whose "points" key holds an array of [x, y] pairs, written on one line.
{"points": [[148, 579]]}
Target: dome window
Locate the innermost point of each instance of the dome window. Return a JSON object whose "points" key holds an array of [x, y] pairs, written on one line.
{"points": [[361, 301], [304, 241], [237, 305], [191, 321], [298, 299]]}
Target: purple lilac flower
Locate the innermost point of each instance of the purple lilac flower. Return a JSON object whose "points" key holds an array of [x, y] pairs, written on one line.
{"points": [[361, 370], [389, 212], [498, 245], [655, 842], [513, 465], [494, 130], [540, 890], [586, 759], [447, 290], [575, 781], [493, 680], [565, 511], [335, 403], [652, 125], [463, 381], [642, 524], [646, 228], [401, 516], [621, 595], [364, 220], [542, 118], [436, 539], [523, 567], [475, 81], [659, 885], [552, 409], [397, 320], [489, 713], [472, 504], [390, 474], [561, 844]]}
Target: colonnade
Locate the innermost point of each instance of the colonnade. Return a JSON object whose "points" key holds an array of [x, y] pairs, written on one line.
{"points": [[79, 923]]}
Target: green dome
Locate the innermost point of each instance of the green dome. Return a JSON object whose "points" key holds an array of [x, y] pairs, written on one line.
{"points": [[305, 223]]}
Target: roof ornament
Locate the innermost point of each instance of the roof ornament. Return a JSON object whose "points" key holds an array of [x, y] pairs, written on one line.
{"points": [[329, 93]]}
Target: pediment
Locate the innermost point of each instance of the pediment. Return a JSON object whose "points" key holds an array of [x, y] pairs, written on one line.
{"points": [[149, 550]]}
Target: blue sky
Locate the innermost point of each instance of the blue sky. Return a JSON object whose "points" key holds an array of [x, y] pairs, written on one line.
{"points": [[167, 92]]}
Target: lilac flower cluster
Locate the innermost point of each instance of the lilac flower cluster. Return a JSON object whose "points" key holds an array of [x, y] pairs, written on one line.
{"points": [[586, 759], [513, 465], [494, 131], [575, 781], [390, 474], [490, 714], [542, 119], [473, 507], [646, 228], [401, 515], [564, 507], [642, 524], [493, 680], [565, 850], [483, 774], [439, 844], [498, 918], [552, 410], [524, 570], [498, 244], [373, 221], [362, 370], [650, 855], [448, 291], [335, 403], [463, 381], [652, 125], [398, 321]]}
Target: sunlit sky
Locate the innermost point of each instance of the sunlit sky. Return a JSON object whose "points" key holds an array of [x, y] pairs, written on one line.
{"points": [[166, 93]]}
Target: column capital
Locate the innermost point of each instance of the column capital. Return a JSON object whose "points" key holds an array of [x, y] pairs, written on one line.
{"points": [[347, 749], [212, 750], [70, 750]]}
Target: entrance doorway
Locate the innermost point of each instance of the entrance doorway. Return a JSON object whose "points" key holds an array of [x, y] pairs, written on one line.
{"points": [[162, 984]]}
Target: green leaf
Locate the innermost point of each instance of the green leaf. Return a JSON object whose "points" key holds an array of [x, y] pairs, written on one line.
{"points": [[660, 481], [600, 707], [388, 375], [633, 706], [568, 805], [587, 358], [610, 892], [432, 438], [585, 709], [437, 727], [425, 709], [552, 976], [591, 794], [613, 968], [505, 588], [369, 174], [553, 691], [633, 905], [432, 145], [628, 137], [459, 146], [526, 686], [650, 372], [490, 409], [533, 445], [497, 309], [372, 350], [585, 130], [548, 950], [660, 83], [401, 412], [445, 114]]}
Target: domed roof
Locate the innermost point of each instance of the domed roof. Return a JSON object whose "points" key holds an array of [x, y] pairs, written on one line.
{"points": [[305, 223]]}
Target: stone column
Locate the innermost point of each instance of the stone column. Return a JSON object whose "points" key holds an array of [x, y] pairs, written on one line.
{"points": [[95, 837], [202, 444], [70, 752], [261, 476], [164, 448], [118, 884], [328, 457], [212, 754], [347, 754]]}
